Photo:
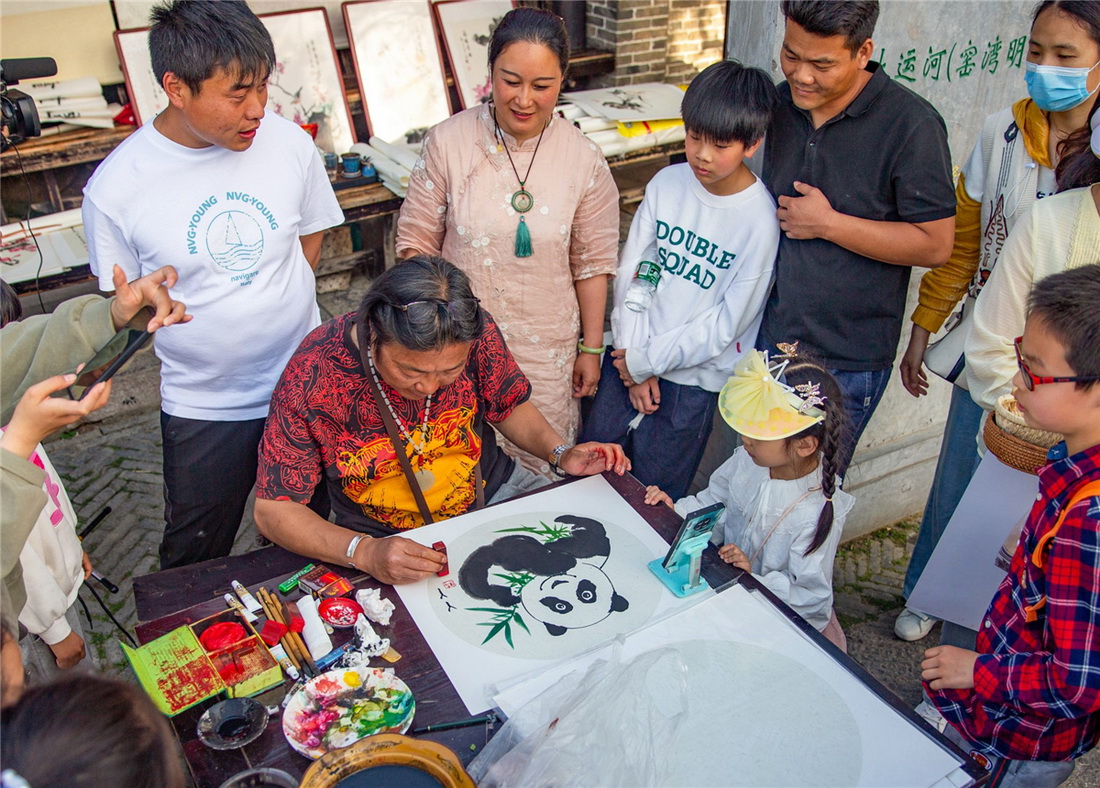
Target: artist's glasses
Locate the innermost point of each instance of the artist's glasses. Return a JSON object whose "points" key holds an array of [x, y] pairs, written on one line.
{"points": [[429, 309], [1031, 380]]}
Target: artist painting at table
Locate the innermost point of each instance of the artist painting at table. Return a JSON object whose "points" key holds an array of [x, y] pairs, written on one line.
{"points": [[526, 206], [237, 201], [422, 354]]}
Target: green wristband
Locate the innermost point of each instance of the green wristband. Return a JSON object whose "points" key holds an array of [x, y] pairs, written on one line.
{"points": [[595, 351]]}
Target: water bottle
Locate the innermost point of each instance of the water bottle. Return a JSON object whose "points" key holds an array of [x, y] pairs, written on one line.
{"points": [[639, 295]]}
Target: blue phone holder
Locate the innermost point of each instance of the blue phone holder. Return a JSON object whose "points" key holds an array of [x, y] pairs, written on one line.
{"points": [[682, 573]]}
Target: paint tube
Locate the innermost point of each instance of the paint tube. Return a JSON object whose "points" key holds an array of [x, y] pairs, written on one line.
{"points": [[235, 603], [247, 599], [281, 657]]}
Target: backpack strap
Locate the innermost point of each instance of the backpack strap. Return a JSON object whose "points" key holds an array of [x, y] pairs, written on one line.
{"points": [[1086, 490], [1038, 555]]}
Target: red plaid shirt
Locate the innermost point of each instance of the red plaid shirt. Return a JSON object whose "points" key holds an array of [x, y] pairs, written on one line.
{"points": [[1036, 689]]}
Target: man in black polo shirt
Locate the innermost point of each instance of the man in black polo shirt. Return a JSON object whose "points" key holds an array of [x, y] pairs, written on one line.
{"points": [[861, 170]]}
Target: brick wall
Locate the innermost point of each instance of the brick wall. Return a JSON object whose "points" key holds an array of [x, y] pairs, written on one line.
{"points": [[657, 40]]}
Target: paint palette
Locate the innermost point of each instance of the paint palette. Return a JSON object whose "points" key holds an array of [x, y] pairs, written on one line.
{"points": [[341, 707]]}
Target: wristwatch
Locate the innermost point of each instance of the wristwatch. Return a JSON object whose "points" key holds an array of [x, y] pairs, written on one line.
{"points": [[555, 457]]}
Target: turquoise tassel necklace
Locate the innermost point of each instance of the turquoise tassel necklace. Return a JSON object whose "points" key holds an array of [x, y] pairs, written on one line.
{"points": [[522, 200]]}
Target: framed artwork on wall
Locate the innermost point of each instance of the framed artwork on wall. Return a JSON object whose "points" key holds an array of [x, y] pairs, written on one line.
{"points": [[147, 97], [466, 27], [399, 67], [305, 85]]}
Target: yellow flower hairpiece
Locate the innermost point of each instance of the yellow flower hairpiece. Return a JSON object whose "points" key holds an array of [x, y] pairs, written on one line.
{"points": [[756, 404]]}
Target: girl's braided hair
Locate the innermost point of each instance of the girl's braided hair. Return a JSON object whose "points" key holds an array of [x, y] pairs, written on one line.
{"points": [[831, 434]]}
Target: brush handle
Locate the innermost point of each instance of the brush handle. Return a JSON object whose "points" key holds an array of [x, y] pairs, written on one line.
{"points": [[271, 610]]}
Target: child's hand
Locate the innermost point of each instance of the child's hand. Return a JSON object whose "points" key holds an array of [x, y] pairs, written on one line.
{"points": [[654, 495], [586, 374], [948, 667], [732, 554], [646, 397], [69, 651], [620, 365], [38, 415], [86, 564]]}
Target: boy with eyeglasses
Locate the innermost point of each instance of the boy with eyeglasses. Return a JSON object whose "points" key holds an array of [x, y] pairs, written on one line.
{"points": [[1027, 702]]}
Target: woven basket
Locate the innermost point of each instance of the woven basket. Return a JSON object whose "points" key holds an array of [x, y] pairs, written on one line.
{"points": [[1011, 421], [1012, 451]]}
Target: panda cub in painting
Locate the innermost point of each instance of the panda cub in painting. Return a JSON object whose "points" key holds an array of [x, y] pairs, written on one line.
{"points": [[568, 588]]}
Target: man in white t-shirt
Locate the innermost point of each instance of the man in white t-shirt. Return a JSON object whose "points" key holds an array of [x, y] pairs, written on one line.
{"points": [[239, 207]]}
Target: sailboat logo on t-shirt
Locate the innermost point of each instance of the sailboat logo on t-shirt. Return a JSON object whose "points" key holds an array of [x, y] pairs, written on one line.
{"points": [[235, 240]]}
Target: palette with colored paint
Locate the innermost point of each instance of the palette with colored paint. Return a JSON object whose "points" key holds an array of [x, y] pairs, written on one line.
{"points": [[341, 707]]}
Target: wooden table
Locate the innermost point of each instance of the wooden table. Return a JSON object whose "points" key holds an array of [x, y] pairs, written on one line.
{"points": [[170, 599], [175, 597]]}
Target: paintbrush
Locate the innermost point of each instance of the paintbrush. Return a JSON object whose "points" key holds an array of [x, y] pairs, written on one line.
{"points": [[289, 642], [271, 609], [489, 719], [282, 615], [270, 617]]}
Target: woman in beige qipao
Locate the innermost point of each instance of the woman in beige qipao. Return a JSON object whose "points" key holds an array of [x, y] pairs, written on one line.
{"points": [[462, 204]]}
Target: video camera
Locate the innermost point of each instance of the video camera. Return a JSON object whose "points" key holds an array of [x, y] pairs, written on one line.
{"points": [[20, 116]]}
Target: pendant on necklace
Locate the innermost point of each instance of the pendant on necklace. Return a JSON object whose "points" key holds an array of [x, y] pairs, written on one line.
{"points": [[425, 478], [522, 201]]}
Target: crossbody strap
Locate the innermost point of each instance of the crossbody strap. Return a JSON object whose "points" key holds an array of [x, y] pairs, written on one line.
{"points": [[391, 428]]}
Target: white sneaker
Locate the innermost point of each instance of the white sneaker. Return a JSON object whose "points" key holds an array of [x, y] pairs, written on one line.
{"points": [[930, 714], [913, 624]]}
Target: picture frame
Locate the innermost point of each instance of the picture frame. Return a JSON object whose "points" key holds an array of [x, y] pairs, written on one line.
{"points": [[402, 85], [147, 97], [466, 26], [135, 13], [305, 86]]}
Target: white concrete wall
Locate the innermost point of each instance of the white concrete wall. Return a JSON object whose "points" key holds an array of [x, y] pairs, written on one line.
{"points": [[893, 466]]}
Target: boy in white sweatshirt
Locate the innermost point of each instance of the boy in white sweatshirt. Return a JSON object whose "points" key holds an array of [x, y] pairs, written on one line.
{"points": [[711, 226]]}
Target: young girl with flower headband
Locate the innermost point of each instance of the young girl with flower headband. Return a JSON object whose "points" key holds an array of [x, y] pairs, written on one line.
{"points": [[784, 513]]}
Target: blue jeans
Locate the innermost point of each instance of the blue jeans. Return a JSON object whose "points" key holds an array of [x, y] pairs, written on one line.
{"points": [[862, 392], [666, 447], [956, 465]]}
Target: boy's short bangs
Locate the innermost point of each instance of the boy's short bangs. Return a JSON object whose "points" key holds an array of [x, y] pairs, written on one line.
{"points": [[1066, 304], [728, 102], [193, 39]]}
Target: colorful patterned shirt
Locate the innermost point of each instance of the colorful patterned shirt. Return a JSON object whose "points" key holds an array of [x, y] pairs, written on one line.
{"points": [[1036, 689], [325, 424]]}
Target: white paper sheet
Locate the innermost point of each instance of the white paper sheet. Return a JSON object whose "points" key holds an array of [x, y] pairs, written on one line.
{"points": [[962, 576], [572, 600], [647, 101], [784, 712]]}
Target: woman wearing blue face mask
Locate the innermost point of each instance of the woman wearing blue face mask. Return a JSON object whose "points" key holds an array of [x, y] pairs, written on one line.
{"points": [[1020, 158]]}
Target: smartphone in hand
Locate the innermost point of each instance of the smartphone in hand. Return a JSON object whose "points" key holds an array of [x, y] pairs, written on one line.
{"points": [[110, 359]]}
